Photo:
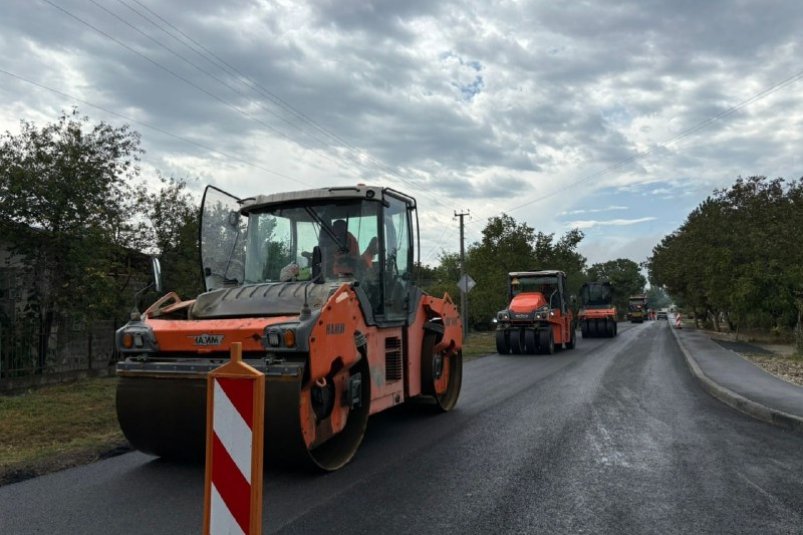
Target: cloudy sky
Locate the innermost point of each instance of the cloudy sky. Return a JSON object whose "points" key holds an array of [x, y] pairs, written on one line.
{"points": [[614, 117]]}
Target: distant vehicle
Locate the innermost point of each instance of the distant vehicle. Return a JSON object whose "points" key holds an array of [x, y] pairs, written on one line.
{"points": [[597, 316], [637, 308], [663, 314], [538, 316]]}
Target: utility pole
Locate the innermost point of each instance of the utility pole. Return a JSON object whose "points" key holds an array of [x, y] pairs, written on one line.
{"points": [[463, 293]]}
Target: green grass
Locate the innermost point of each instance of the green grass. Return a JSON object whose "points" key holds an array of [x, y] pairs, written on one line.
{"points": [[55, 427], [56, 423], [479, 344]]}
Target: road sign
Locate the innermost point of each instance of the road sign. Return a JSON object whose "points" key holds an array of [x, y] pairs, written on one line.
{"points": [[466, 283]]}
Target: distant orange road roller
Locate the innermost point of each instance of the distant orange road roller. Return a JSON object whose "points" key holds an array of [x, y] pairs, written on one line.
{"points": [[597, 316]]}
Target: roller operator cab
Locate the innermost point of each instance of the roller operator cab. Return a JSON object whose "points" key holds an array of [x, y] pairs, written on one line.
{"points": [[317, 286], [538, 317], [598, 315]]}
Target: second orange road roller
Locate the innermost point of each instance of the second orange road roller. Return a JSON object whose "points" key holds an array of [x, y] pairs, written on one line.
{"points": [[597, 316], [538, 318], [317, 287]]}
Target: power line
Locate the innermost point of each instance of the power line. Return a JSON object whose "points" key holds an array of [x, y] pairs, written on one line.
{"points": [[219, 62], [176, 75], [155, 128], [184, 79], [682, 135], [199, 68]]}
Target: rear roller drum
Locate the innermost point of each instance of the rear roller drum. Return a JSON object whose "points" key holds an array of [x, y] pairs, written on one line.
{"points": [[346, 392], [441, 373]]}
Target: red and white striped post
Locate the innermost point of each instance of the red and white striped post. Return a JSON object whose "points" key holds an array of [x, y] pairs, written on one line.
{"points": [[235, 406]]}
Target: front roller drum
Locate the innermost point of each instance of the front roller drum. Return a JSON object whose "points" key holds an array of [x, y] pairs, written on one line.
{"points": [[502, 342], [166, 417], [546, 343], [531, 341], [516, 341]]}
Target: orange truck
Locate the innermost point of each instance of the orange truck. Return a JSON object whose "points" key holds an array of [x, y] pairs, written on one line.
{"points": [[317, 287], [597, 316], [538, 317]]}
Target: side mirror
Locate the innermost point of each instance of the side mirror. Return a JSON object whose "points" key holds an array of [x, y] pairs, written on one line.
{"points": [[156, 267]]}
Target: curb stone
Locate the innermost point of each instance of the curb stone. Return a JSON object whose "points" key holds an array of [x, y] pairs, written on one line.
{"points": [[740, 403]]}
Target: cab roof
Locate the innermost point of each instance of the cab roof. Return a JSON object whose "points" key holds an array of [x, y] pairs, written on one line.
{"points": [[321, 194], [543, 273]]}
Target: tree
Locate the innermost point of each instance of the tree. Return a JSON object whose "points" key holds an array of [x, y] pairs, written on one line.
{"points": [[173, 217], [563, 255], [442, 278], [737, 256], [66, 200], [625, 277], [657, 298], [508, 245]]}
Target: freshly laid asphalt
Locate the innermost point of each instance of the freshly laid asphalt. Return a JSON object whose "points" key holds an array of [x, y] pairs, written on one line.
{"points": [[615, 436], [740, 383]]}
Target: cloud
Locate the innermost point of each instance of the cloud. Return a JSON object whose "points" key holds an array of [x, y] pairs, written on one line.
{"points": [[591, 223], [467, 105], [593, 210]]}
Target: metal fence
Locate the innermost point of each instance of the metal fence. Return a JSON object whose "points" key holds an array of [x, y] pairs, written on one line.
{"points": [[71, 347], [19, 348]]}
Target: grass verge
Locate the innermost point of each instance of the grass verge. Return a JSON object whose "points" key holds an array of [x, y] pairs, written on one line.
{"points": [[479, 344], [56, 427], [59, 426]]}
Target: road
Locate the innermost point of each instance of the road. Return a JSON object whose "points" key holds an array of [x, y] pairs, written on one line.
{"points": [[613, 437]]}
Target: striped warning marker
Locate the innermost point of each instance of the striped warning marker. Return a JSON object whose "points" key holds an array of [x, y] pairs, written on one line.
{"points": [[234, 422]]}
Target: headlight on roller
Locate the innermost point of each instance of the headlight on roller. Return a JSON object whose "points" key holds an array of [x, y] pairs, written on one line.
{"points": [[289, 338], [279, 337], [136, 337], [272, 338]]}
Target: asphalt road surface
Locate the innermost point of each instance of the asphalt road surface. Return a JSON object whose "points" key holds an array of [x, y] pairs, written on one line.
{"points": [[612, 437]]}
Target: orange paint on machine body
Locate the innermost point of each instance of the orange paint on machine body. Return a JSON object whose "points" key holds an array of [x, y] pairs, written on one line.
{"points": [[338, 339], [597, 317], [527, 302], [538, 318]]}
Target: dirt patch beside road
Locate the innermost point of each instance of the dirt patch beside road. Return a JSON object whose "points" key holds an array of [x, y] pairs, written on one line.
{"points": [[788, 368], [776, 358]]}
